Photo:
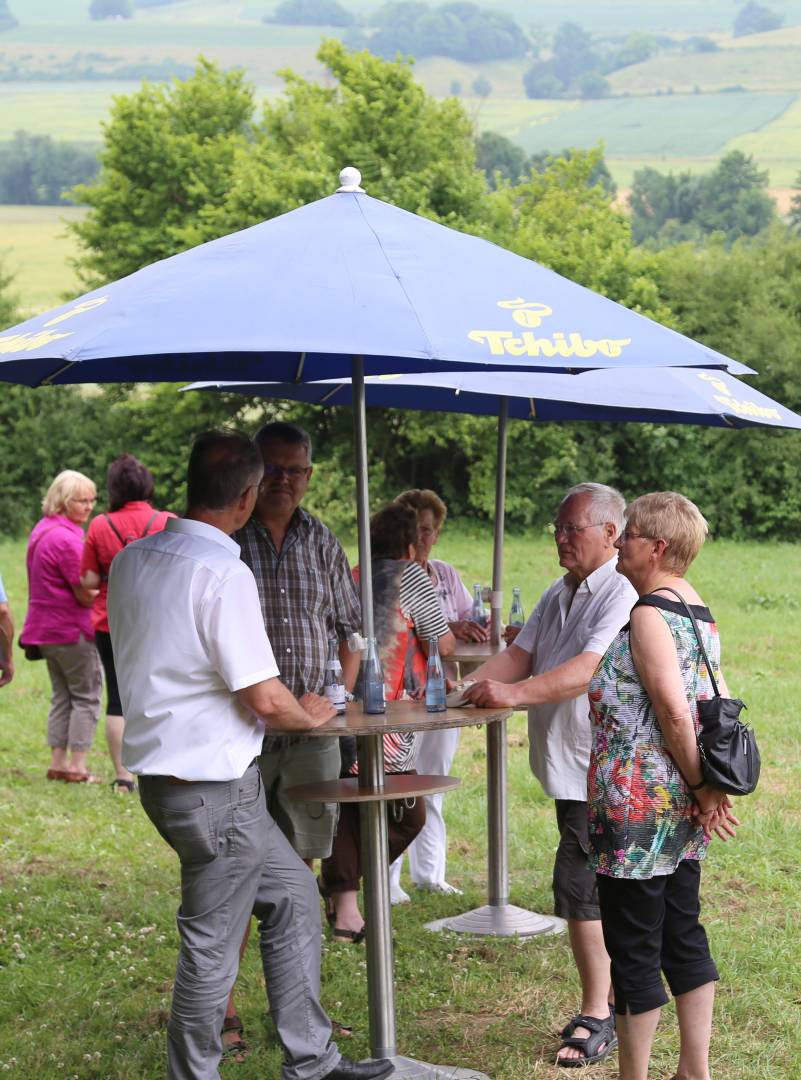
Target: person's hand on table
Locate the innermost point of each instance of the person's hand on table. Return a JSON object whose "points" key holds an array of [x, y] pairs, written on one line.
{"points": [[510, 633], [489, 694], [319, 708], [467, 630]]}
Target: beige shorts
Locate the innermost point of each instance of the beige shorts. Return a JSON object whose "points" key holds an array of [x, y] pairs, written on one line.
{"points": [[309, 827]]}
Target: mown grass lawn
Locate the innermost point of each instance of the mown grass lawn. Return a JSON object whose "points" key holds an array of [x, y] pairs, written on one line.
{"points": [[88, 890]]}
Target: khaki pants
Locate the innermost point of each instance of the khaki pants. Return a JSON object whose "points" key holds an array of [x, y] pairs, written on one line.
{"points": [[77, 682]]}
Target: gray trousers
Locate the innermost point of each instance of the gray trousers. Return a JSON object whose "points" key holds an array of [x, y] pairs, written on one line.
{"points": [[236, 862], [77, 682]]}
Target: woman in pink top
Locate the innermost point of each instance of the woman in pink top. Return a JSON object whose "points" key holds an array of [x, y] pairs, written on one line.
{"points": [[427, 855], [58, 621], [130, 517]]}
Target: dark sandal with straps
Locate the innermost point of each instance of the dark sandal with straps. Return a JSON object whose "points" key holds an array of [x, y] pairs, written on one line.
{"points": [[237, 1050], [353, 937], [595, 1047]]}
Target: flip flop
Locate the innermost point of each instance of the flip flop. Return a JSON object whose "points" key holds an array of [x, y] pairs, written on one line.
{"points": [[57, 774], [82, 778]]}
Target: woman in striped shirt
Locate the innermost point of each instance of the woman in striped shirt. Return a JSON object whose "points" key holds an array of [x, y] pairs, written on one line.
{"points": [[406, 613]]}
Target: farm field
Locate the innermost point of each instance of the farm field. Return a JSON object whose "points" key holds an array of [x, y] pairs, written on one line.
{"points": [[681, 73], [35, 248], [88, 894]]}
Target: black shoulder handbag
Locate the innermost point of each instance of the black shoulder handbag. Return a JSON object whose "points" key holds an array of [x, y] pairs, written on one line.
{"points": [[729, 753]]}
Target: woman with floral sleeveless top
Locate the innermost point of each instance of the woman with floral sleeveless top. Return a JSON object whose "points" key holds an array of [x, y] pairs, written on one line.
{"points": [[651, 814]]}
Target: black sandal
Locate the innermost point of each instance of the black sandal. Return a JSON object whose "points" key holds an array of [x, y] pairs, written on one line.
{"points": [[602, 1034], [123, 785], [354, 937], [238, 1050]]}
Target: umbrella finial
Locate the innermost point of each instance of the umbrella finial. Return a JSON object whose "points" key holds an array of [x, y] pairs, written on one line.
{"points": [[350, 179]]}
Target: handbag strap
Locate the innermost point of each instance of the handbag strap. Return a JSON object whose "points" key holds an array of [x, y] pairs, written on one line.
{"points": [[686, 606]]}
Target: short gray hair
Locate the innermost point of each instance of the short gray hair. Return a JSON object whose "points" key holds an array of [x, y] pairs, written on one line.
{"points": [[607, 503]]}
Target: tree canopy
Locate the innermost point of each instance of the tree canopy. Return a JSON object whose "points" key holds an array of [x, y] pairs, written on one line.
{"points": [[311, 13], [461, 30], [731, 199], [34, 169], [755, 18]]}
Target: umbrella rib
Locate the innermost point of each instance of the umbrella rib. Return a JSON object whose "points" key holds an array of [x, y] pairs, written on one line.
{"points": [[48, 380], [301, 365], [398, 279]]}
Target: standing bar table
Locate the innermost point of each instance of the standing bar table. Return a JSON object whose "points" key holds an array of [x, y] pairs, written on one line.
{"points": [[496, 918], [375, 788]]}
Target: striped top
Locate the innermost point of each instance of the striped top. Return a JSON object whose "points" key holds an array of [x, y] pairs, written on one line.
{"points": [[407, 612]]}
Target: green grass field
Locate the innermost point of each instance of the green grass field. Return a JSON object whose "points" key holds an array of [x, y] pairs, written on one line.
{"points": [[35, 250], [754, 69], [88, 890]]}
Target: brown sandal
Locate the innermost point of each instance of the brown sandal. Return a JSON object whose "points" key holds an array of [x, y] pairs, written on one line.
{"points": [[238, 1050]]}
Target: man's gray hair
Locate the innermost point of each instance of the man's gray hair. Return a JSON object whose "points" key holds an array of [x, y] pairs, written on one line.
{"points": [[607, 503]]}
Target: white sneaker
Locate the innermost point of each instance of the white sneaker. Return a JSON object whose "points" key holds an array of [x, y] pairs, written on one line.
{"points": [[439, 887], [397, 895]]}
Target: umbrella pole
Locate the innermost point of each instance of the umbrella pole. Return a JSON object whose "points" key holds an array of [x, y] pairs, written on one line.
{"points": [[375, 851], [498, 918], [497, 830]]}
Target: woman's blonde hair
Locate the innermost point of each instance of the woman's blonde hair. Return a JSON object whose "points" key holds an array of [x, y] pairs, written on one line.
{"points": [[424, 499], [667, 515], [64, 488]]}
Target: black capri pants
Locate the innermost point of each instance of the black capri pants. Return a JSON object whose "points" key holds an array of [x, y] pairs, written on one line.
{"points": [[653, 924], [103, 643]]}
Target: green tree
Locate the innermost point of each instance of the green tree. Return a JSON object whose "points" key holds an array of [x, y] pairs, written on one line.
{"points": [[34, 169], [458, 29], [110, 9], [411, 149], [7, 20], [540, 81], [8, 301], [794, 216], [593, 85], [495, 154], [311, 13], [168, 157], [755, 18], [731, 199], [573, 53], [481, 86]]}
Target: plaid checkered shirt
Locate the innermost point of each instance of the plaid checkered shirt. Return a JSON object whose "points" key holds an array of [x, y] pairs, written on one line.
{"points": [[307, 596]]}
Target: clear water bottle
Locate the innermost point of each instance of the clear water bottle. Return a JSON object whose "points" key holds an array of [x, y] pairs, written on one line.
{"points": [[373, 679], [435, 678], [517, 616], [477, 612], [333, 683]]}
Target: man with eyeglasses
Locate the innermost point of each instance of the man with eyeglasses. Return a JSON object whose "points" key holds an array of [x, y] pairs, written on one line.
{"points": [[547, 669], [307, 596]]}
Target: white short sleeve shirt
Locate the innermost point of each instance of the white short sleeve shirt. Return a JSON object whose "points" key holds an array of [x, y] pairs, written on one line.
{"points": [[557, 630], [187, 632]]}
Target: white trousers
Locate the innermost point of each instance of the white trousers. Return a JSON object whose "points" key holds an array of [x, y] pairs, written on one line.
{"points": [[428, 852]]}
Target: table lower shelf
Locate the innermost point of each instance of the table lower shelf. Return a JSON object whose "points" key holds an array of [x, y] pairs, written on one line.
{"points": [[396, 786]]}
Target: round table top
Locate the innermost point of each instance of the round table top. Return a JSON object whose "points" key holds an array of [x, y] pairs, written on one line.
{"points": [[475, 651], [405, 716]]}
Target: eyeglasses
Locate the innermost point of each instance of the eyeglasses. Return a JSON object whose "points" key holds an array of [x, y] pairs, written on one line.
{"points": [[84, 502], [626, 535], [570, 530], [294, 472]]}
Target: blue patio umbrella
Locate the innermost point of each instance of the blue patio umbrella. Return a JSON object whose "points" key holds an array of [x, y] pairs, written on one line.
{"points": [[663, 395], [297, 297], [344, 286]]}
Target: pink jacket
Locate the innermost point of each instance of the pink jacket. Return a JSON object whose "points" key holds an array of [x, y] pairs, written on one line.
{"points": [[54, 615]]}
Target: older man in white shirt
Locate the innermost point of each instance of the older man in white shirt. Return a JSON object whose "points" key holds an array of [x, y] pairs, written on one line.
{"points": [[548, 668], [199, 684]]}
